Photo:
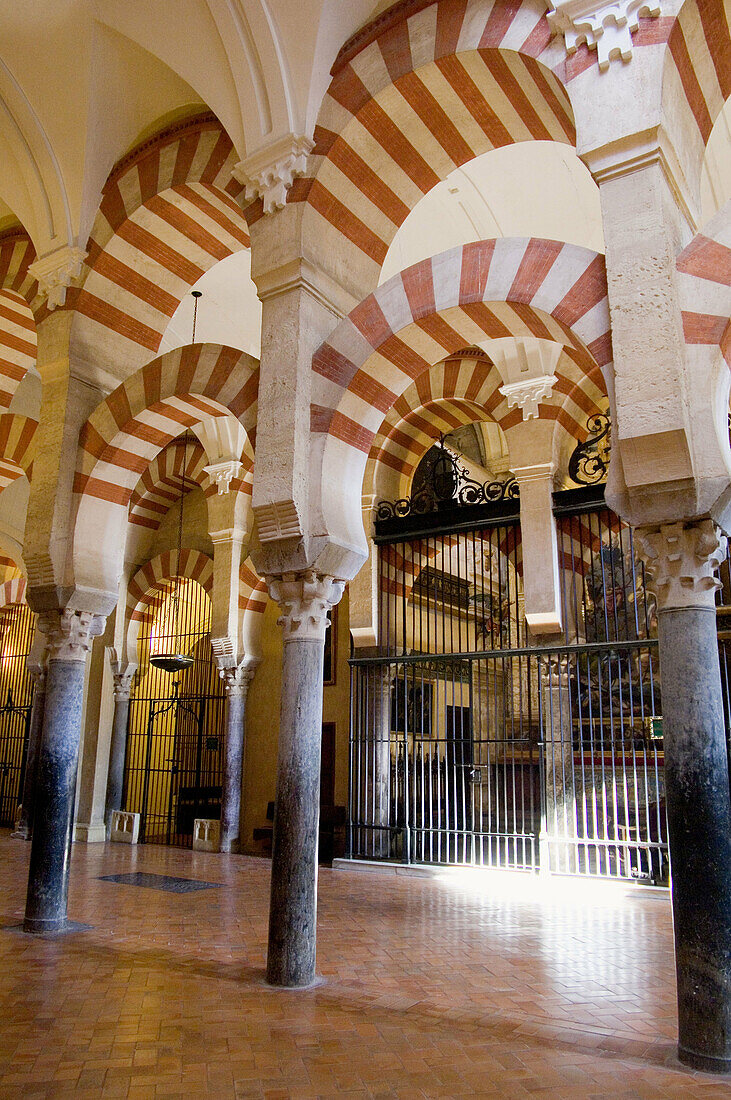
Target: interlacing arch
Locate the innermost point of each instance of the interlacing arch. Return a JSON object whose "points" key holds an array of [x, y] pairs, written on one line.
{"points": [[436, 86], [169, 210]]}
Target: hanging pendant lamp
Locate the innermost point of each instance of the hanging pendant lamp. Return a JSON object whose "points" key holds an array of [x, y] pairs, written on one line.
{"points": [[174, 661]]}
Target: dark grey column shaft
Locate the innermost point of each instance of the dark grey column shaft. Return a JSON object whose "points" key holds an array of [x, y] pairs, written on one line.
{"points": [[232, 769], [35, 732], [381, 766], [55, 794], [117, 752], [699, 824], [293, 910]]}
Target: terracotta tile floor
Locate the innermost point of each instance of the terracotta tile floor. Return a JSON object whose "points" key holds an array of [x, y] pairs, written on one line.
{"points": [[448, 988]]}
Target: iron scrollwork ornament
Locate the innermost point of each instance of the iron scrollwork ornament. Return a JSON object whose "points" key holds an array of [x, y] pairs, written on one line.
{"points": [[589, 461], [446, 484]]}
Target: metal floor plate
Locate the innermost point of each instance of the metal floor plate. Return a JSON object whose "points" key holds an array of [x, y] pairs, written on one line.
{"points": [[168, 883]]}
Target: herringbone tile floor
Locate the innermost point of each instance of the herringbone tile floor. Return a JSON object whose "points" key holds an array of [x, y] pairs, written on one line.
{"points": [[451, 988]]}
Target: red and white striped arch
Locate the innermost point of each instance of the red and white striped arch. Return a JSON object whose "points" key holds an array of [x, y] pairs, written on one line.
{"points": [[253, 599], [18, 292], [12, 591], [162, 482], [461, 390], [697, 76], [492, 289], [150, 586], [128, 430], [704, 289], [17, 447], [169, 212], [439, 85]]}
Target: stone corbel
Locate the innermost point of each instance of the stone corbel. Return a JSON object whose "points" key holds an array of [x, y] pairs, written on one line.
{"points": [[70, 634], [56, 272], [683, 560], [278, 521], [269, 173], [528, 392], [606, 28], [223, 473], [305, 599]]}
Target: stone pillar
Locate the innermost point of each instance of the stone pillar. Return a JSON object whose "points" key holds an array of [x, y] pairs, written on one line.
{"points": [[24, 824], [381, 763], [237, 682], [118, 745], [541, 575], [305, 599], [557, 848], [682, 559], [69, 636]]}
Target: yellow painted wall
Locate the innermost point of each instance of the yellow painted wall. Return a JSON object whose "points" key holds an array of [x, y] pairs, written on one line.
{"points": [[262, 722]]}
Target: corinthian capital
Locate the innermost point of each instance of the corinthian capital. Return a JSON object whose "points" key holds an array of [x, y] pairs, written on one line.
{"points": [[56, 272], [305, 599], [682, 560], [122, 675], [269, 173], [69, 634]]}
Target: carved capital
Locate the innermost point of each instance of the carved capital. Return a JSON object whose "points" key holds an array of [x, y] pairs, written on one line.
{"points": [[606, 28], [237, 678], [528, 392], [223, 473], [56, 272], [69, 634], [305, 599], [269, 173], [682, 561], [122, 675]]}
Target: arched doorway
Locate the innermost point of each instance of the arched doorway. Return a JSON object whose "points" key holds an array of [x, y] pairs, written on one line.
{"points": [[174, 760]]}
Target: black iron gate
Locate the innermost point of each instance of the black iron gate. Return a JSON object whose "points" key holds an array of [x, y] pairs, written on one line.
{"points": [[17, 625], [470, 744], [174, 759]]}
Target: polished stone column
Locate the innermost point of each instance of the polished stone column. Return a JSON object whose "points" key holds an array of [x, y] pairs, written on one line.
{"points": [[558, 848], [118, 746], [305, 599], [682, 559], [237, 682], [24, 825], [69, 636]]}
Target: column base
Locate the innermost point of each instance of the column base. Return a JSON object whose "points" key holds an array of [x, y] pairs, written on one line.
{"points": [[23, 833], [41, 927], [316, 982], [704, 1062], [231, 847]]}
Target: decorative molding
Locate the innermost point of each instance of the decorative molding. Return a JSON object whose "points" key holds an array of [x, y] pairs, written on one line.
{"points": [[606, 28], [278, 521], [682, 560], [269, 173], [528, 392], [56, 272], [122, 675], [69, 634], [236, 677], [305, 599], [539, 471], [223, 473]]}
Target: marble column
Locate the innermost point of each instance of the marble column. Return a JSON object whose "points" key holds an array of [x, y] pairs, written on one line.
{"points": [[69, 635], [24, 825], [237, 682], [682, 559], [118, 746], [305, 599], [380, 764], [558, 848]]}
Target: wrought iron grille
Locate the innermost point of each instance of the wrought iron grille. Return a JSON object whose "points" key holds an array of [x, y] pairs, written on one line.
{"points": [[174, 758], [17, 625], [470, 744]]}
